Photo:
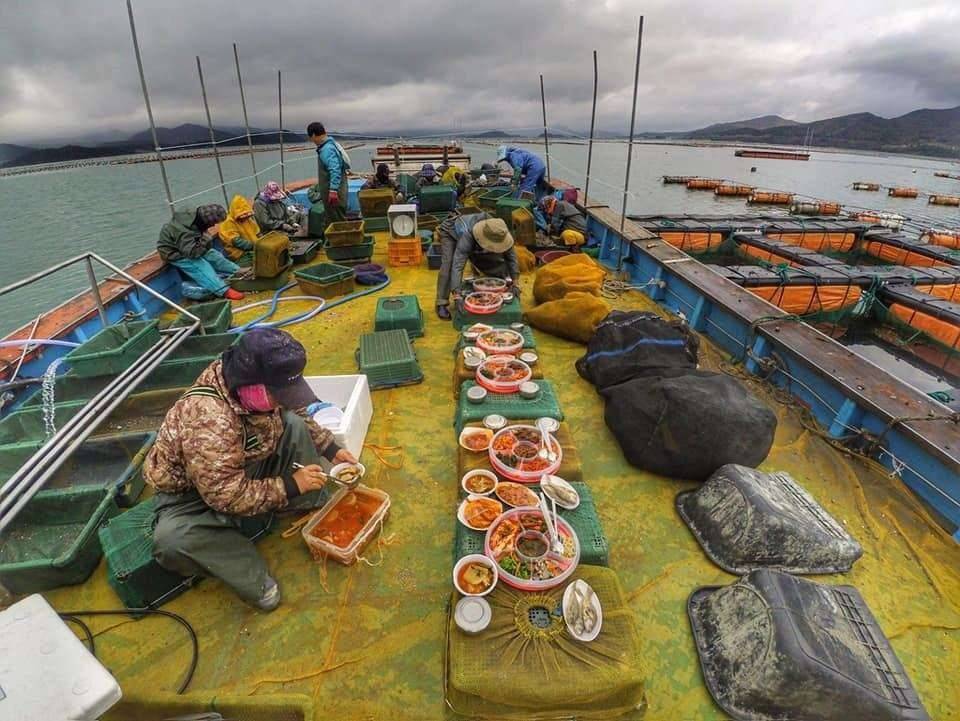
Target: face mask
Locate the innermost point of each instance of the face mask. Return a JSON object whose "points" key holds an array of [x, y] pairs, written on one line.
{"points": [[255, 398]]}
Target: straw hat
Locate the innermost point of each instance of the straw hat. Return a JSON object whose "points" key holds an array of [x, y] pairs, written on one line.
{"points": [[493, 236]]}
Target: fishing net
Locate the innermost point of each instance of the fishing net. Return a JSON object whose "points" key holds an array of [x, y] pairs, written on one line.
{"points": [[525, 664], [571, 273], [574, 317]]}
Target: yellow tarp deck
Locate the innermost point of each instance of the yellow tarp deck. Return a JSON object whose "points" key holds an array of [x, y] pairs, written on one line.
{"points": [[365, 642]]}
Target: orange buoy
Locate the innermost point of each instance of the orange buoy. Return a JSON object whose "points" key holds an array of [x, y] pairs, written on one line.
{"points": [[829, 208], [761, 196], [946, 238], [944, 200], [725, 189], [859, 185], [903, 192], [703, 184]]}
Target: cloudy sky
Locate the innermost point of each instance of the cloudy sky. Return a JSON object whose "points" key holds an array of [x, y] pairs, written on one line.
{"points": [[367, 66]]}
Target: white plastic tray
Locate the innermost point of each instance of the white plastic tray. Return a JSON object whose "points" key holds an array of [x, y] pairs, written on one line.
{"points": [[352, 394]]}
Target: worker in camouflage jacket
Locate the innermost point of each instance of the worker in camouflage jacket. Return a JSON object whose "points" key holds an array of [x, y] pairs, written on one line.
{"points": [[232, 450]]}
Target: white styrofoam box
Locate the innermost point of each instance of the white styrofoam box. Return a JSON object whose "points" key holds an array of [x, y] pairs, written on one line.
{"points": [[46, 672], [352, 394]]}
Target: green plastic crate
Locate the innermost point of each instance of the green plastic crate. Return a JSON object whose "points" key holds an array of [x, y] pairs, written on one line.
{"points": [[509, 313], [303, 251], [132, 572], [348, 232], [352, 252], [203, 346], [509, 405], [399, 311], [316, 220], [215, 316], [437, 197], [594, 547], [113, 349], [488, 200], [529, 342], [376, 225], [407, 184], [506, 206], [324, 272], [388, 360], [112, 462], [53, 541]]}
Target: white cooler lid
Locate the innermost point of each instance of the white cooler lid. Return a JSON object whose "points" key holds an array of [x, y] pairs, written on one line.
{"points": [[46, 672]]}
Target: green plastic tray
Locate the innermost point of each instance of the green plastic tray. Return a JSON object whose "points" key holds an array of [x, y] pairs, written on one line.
{"points": [[303, 251], [177, 373], [114, 349], [352, 252], [508, 313], [509, 405], [594, 547], [53, 541], [255, 285], [437, 198], [111, 462], [215, 316], [399, 311], [488, 200], [324, 272], [529, 342], [387, 359], [376, 225]]}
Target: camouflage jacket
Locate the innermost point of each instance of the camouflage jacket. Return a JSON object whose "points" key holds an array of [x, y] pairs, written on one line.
{"points": [[205, 442]]}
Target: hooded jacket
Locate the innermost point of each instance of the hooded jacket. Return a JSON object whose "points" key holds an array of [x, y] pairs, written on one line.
{"points": [[525, 162], [181, 238], [270, 214], [206, 440], [240, 229]]}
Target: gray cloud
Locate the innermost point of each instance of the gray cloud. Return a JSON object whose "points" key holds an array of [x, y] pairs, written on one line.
{"points": [[70, 70]]}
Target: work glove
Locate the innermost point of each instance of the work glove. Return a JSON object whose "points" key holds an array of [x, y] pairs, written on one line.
{"points": [[333, 198]]}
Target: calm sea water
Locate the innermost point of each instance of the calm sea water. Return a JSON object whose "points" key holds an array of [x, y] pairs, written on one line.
{"points": [[117, 210]]}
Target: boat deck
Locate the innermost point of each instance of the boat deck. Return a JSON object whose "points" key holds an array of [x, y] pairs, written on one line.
{"points": [[367, 641]]}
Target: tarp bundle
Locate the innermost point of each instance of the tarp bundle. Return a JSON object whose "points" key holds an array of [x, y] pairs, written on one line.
{"points": [[686, 424], [626, 343], [567, 291]]}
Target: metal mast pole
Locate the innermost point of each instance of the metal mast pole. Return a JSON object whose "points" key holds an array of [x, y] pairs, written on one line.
{"points": [[146, 102], [593, 120], [546, 143], [633, 118], [213, 139], [283, 174], [246, 121]]}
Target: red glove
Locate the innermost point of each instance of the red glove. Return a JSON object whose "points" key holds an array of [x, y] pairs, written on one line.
{"points": [[333, 198]]}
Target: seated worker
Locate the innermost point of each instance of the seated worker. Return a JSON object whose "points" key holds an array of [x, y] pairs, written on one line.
{"points": [[273, 213], [233, 447], [483, 240], [428, 176], [381, 179], [333, 164], [529, 170], [564, 219], [187, 243], [238, 231]]}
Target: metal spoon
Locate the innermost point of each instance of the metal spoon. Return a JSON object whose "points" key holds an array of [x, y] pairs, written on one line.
{"points": [[546, 451], [349, 485]]}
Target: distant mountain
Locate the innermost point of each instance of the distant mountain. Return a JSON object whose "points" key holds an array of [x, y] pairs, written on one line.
{"points": [[185, 134], [764, 122], [488, 134], [9, 152], [921, 132]]}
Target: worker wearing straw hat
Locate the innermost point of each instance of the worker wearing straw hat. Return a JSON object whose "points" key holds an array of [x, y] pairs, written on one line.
{"points": [[483, 240]]}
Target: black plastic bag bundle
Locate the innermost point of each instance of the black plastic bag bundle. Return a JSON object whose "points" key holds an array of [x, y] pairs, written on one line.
{"points": [[630, 343], [686, 425]]}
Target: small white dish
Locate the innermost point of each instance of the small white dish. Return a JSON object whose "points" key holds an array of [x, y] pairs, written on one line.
{"points": [[529, 390], [475, 558], [472, 614], [517, 326], [494, 422], [550, 425], [529, 357], [479, 472], [340, 467], [595, 603], [476, 394], [471, 431], [547, 485], [463, 506]]}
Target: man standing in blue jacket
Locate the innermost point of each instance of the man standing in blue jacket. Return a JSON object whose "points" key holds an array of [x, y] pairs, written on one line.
{"points": [[528, 169], [332, 167]]}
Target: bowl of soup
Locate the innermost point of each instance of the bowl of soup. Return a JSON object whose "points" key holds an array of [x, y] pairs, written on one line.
{"points": [[475, 575]]}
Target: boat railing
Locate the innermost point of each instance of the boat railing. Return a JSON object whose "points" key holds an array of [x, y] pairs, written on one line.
{"points": [[40, 467]]}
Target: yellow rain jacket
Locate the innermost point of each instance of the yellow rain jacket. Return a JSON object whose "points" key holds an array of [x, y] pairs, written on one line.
{"points": [[240, 228]]}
